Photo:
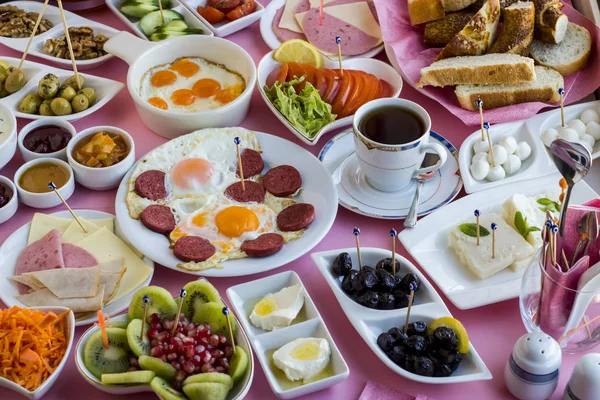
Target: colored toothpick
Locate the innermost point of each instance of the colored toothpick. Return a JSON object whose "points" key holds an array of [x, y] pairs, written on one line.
{"points": [[413, 287], [237, 142], [146, 301], [102, 325], [321, 13], [69, 44], [338, 40], [494, 227], [182, 294], [563, 187], [53, 187], [479, 104], [561, 92], [393, 234], [486, 125], [477, 214], [226, 313], [356, 233], [33, 32]]}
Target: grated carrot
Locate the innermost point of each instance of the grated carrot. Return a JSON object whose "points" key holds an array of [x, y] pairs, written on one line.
{"points": [[32, 345]]}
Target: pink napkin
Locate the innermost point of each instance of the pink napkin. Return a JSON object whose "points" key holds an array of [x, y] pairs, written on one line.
{"points": [[571, 236], [412, 55], [375, 391]]}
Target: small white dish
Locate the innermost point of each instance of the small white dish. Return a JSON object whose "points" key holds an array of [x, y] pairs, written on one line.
{"points": [[428, 243], [47, 199], [378, 68], [225, 27], [47, 384], [101, 178], [8, 135], [11, 207], [243, 298], [369, 323], [29, 155], [357, 195]]}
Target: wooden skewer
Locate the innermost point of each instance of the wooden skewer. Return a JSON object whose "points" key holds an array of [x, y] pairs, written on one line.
{"points": [[356, 233], [69, 44], [35, 28], [479, 104], [53, 187], [162, 15], [564, 257], [338, 41], [561, 92], [489, 139]]}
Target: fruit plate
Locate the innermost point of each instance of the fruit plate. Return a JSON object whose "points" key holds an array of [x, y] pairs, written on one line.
{"points": [[378, 68], [225, 28], [428, 243], [318, 189], [308, 323], [52, 13], [14, 245], [266, 31], [106, 89], [369, 323], [238, 392], [47, 384], [134, 25]]}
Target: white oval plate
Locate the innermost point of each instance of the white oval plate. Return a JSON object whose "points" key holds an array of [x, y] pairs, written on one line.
{"points": [[53, 14], [317, 189], [14, 245], [428, 243], [369, 323], [378, 68], [225, 28]]}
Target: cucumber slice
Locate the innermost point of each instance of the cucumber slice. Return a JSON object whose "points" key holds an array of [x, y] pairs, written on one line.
{"points": [[176, 25], [165, 3], [157, 37], [153, 20], [136, 9]]}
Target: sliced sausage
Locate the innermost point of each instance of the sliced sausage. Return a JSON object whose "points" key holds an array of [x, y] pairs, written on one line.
{"points": [[264, 245], [151, 185], [282, 181], [158, 218], [252, 163], [193, 248], [296, 217], [255, 192]]}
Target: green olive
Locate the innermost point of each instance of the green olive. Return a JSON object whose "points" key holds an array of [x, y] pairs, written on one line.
{"points": [[67, 93], [3, 75], [46, 109], [48, 87], [30, 104], [3, 93], [61, 106], [73, 82], [80, 103], [15, 80], [90, 93]]}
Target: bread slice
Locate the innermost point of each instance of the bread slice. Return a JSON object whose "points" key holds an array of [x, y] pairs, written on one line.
{"points": [[455, 5], [544, 88], [486, 70], [567, 57], [517, 29], [439, 32], [550, 22], [421, 11]]}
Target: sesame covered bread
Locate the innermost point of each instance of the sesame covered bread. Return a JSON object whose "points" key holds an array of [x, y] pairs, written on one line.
{"points": [[517, 29], [567, 57]]}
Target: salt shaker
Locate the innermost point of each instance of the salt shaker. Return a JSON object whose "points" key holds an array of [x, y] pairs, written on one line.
{"points": [[532, 369], [585, 379]]}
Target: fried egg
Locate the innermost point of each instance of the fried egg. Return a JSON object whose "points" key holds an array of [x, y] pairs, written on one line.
{"points": [[190, 85]]}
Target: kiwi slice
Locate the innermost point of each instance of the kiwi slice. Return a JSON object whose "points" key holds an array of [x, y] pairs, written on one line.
{"points": [[161, 303], [206, 391], [198, 293], [133, 377], [215, 377], [157, 365], [212, 313], [139, 347], [238, 364], [114, 359], [166, 391]]}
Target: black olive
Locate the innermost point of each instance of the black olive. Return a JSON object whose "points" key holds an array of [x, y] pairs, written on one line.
{"points": [[386, 264], [385, 341], [355, 280], [445, 338], [348, 284], [342, 265], [441, 370], [368, 299], [401, 299], [445, 356], [386, 281], [368, 268], [398, 335], [407, 280], [415, 344], [386, 301], [408, 362], [417, 328], [397, 355], [454, 364], [424, 366], [367, 279]]}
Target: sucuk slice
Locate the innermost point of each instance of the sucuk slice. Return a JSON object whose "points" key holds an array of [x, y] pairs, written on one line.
{"points": [[296, 217], [166, 391], [158, 218], [254, 192], [216, 377], [282, 181], [212, 314], [161, 303], [198, 293], [151, 185], [139, 347], [112, 359], [238, 364], [193, 248], [158, 366], [263, 246], [206, 390], [252, 163], [132, 377]]}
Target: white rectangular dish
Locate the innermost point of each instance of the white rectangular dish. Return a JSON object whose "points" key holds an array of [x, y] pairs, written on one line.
{"points": [[53, 14], [225, 28], [428, 243], [369, 323], [243, 298]]}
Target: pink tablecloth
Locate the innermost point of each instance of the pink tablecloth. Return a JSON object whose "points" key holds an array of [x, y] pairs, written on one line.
{"points": [[493, 329]]}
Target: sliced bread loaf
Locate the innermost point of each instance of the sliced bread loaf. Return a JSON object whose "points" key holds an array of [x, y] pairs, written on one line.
{"points": [[544, 88], [421, 11], [486, 70], [567, 57]]}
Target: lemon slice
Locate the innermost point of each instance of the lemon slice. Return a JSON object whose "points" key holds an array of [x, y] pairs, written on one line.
{"points": [[300, 51], [457, 327]]}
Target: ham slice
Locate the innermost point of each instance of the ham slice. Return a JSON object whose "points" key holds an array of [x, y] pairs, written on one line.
{"points": [[43, 254], [76, 257]]}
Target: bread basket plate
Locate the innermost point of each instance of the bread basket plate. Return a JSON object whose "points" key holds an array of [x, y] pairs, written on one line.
{"points": [[369, 323], [73, 21], [309, 323], [225, 27], [13, 246], [378, 68]]}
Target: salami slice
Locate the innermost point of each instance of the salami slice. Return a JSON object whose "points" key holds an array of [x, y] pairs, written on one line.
{"points": [[193, 248], [158, 218], [296, 217], [252, 163], [282, 181], [264, 245], [255, 192], [151, 185]]}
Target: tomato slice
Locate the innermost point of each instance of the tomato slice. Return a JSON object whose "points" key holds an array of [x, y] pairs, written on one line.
{"points": [[320, 81], [277, 75], [386, 89], [333, 85], [224, 5], [296, 71], [241, 11], [356, 92], [346, 85], [310, 74], [211, 14]]}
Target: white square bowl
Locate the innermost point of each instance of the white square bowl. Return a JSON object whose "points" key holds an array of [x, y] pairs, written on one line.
{"points": [[225, 28]]}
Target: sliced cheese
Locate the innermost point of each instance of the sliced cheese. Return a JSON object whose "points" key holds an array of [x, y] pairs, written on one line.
{"points": [[108, 223], [317, 3], [41, 224], [74, 233], [287, 18]]}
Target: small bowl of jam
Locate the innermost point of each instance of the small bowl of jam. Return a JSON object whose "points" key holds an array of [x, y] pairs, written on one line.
{"points": [[33, 177], [46, 138], [8, 199]]}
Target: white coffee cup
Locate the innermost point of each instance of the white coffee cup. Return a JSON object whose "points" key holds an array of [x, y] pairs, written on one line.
{"points": [[390, 168]]}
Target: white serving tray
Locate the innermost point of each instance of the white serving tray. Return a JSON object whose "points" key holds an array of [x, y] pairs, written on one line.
{"points": [[378, 68], [243, 298], [53, 14], [369, 323], [133, 23], [106, 89], [226, 27]]}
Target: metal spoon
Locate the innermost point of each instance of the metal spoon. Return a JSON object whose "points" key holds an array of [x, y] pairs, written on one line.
{"points": [[583, 227], [429, 160], [573, 161]]}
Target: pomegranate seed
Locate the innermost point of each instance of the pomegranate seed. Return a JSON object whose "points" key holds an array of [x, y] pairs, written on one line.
{"points": [[196, 360], [214, 340], [217, 354], [204, 368], [180, 335], [199, 349], [222, 339], [211, 369], [155, 318], [134, 362], [152, 333], [204, 341], [191, 332], [220, 369], [205, 356], [176, 365], [172, 357], [176, 342], [189, 351], [182, 359], [158, 327], [187, 340], [163, 336], [156, 352], [170, 348], [178, 385], [188, 367], [154, 342], [167, 325], [197, 370], [228, 351], [163, 357], [223, 362]]}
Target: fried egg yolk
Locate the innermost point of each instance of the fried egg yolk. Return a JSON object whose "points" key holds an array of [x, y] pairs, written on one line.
{"points": [[190, 172], [235, 220], [185, 67], [163, 78], [183, 97], [158, 103], [206, 87], [229, 94]]}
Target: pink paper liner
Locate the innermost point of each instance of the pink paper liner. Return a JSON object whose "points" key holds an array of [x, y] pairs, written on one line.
{"points": [[570, 234], [376, 391]]}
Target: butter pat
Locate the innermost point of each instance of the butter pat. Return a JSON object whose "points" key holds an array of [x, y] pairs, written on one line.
{"points": [[278, 310]]}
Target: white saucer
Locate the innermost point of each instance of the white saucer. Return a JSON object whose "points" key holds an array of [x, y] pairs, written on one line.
{"points": [[357, 195]]}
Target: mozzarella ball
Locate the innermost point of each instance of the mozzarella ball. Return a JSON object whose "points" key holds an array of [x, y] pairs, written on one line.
{"points": [[479, 157], [549, 136], [593, 128], [568, 134], [509, 143], [523, 150], [512, 164], [589, 115], [588, 140], [578, 126], [500, 155], [496, 173], [481, 146], [480, 169]]}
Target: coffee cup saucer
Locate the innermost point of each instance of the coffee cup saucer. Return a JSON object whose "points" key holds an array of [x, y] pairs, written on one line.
{"points": [[357, 195]]}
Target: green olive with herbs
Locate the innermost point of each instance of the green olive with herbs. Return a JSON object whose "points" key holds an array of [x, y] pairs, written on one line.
{"points": [[30, 104], [3, 93], [72, 81], [48, 86], [3, 75], [46, 109], [90, 93], [67, 93], [15, 80], [61, 106], [80, 103]]}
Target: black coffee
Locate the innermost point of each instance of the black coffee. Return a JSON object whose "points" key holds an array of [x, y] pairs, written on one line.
{"points": [[392, 125]]}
